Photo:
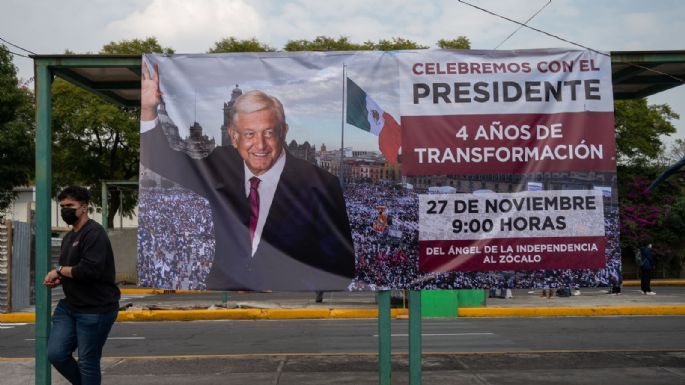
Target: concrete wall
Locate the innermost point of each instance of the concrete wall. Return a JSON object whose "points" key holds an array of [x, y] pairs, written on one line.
{"points": [[125, 254], [22, 210]]}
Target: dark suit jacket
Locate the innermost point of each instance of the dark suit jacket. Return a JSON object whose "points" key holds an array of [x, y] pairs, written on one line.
{"points": [[306, 243]]}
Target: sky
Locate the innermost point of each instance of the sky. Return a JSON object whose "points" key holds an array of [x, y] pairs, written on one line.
{"points": [[51, 27]]}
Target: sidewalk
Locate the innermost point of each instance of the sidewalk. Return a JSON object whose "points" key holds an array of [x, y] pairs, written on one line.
{"points": [[165, 305]]}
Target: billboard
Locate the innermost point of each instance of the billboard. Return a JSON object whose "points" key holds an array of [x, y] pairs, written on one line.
{"points": [[372, 170]]}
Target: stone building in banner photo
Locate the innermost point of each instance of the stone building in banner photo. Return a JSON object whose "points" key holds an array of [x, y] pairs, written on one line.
{"points": [[196, 144], [509, 183], [366, 165], [225, 140]]}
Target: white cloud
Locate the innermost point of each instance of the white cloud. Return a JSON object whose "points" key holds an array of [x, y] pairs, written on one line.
{"points": [[190, 26], [47, 26]]}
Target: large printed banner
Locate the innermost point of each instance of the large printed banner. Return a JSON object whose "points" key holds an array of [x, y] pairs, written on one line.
{"points": [[499, 113], [421, 169], [541, 229], [503, 114]]}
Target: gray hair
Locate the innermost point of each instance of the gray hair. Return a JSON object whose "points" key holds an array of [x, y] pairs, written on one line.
{"points": [[256, 100]]}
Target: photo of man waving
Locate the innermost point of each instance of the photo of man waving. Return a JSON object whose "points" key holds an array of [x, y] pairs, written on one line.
{"points": [[280, 222]]}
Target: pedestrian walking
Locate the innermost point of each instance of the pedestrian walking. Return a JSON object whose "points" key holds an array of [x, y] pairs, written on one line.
{"points": [[83, 319]]}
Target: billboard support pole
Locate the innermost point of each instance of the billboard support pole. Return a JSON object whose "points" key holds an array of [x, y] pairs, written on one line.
{"points": [[384, 354], [341, 169], [414, 337], [105, 205], [44, 78]]}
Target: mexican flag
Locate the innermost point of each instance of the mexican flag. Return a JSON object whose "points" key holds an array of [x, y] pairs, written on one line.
{"points": [[365, 113]]}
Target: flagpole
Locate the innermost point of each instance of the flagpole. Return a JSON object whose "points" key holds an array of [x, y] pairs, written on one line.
{"points": [[341, 169]]}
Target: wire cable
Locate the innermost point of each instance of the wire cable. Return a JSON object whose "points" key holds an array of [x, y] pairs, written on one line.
{"points": [[18, 54], [16, 46], [525, 23], [569, 41]]}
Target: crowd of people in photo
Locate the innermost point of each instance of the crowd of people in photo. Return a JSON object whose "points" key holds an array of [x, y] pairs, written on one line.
{"points": [[386, 256], [176, 245], [386, 261], [175, 239]]}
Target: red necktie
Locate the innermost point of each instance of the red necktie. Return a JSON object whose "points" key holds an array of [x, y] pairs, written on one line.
{"points": [[254, 204]]}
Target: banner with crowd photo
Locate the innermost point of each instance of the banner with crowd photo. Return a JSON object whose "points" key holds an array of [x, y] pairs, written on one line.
{"points": [[426, 169]]}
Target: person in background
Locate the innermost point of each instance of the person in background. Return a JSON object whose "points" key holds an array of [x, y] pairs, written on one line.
{"points": [[84, 318], [648, 264]]}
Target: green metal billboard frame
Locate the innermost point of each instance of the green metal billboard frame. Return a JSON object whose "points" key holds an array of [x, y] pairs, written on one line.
{"points": [[116, 78], [46, 67]]}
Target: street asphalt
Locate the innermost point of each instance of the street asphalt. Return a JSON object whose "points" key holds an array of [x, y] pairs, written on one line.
{"points": [[626, 364], [160, 305]]}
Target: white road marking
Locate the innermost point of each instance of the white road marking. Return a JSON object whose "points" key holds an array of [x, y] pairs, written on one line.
{"points": [[11, 325], [110, 338], [441, 334]]}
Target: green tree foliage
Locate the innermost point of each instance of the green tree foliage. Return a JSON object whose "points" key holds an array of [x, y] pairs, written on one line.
{"points": [[462, 42], [395, 43], [677, 150], [134, 47], [323, 43], [638, 129], [94, 140], [657, 217], [16, 131], [648, 216], [343, 43], [231, 44]]}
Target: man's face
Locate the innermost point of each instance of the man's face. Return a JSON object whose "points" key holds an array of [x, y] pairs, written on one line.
{"points": [[78, 208], [258, 139], [71, 203]]}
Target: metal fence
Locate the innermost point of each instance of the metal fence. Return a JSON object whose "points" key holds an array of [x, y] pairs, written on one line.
{"points": [[21, 266], [15, 266], [5, 268]]}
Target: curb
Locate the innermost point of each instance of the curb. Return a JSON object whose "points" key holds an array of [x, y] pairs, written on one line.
{"points": [[225, 314], [657, 282], [143, 290], [571, 311], [279, 314], [249, 314]]}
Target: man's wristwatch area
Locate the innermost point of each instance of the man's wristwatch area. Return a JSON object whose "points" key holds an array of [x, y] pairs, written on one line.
{"points": [[59, 270]]}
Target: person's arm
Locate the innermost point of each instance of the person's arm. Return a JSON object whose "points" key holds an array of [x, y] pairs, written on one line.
{"points": [[155, 152], [150, 93], [52, 279], [91, 266], [156, 155], [335, 237]]}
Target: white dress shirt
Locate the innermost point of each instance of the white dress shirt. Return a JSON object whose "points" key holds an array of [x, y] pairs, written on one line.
{"points": [[147, 125], [267, 186], [267, 190]]}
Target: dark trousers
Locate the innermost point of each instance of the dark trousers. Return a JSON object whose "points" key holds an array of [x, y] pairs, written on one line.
{"points": [[646, 280], [85, 331]]}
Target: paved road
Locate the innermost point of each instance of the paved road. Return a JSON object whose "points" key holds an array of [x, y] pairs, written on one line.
{"points": [[619, 350], [360, 336]]}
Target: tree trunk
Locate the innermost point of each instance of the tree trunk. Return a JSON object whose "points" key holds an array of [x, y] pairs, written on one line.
{"points": [[113, 208]]}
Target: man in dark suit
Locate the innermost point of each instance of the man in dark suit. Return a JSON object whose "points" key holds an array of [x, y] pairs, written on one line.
{"points": [[280, 222]]}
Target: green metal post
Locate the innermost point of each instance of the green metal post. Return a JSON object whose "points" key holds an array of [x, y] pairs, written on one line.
{"points": [[105, 202], [415, 337], [384, 346], [43, 235]]}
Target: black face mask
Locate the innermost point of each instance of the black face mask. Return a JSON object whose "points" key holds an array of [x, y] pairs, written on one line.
{"points": [[69, 215]]}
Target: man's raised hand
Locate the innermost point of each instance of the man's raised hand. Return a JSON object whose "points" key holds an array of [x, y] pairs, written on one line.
{"points": [[150, 94]]}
